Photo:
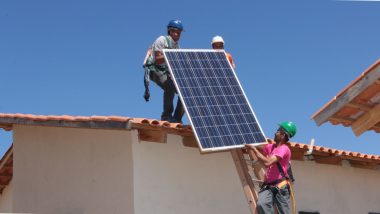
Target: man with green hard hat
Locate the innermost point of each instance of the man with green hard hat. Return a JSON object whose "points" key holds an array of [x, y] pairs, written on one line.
{"points": [[276, 158]]}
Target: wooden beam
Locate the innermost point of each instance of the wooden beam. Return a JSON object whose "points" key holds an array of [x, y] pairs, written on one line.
{"points": [[347, 96], [366, 121], [342, 120], [359, 106], [245, 178], [348, 121]]}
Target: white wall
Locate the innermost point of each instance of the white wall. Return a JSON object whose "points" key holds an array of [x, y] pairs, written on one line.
{"points": [[72, 171], [336, 189], [173, 179], [6, 199]]}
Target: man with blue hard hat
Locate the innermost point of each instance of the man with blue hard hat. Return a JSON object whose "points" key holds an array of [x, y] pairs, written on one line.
{"points": [[156, 69]]}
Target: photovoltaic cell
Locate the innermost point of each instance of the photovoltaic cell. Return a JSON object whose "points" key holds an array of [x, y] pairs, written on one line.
{"points": [[218, 109]]}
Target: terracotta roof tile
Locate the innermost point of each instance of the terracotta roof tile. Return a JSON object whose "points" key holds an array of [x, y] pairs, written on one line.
{"points": [[7, 120], [119, 122]]}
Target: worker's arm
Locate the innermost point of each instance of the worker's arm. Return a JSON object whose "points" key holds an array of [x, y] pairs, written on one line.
{"points": [[158, 46], [267, 161], [159, 57]]}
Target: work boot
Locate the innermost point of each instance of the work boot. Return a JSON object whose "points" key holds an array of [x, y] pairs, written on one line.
{"points": [[177, 121], [170, 119]]}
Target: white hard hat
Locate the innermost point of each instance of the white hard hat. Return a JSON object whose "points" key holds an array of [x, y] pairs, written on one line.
{"points": [[217, 39]]}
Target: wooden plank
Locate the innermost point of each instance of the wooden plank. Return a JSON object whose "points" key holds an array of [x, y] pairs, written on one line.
{"points": [[359, 106], [347, 96], [348, 121], [245, 178], [367, 121], [342, 120]]}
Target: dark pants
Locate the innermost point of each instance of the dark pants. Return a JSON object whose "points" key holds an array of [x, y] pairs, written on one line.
{"points": [[270, 195], [166, 83]]}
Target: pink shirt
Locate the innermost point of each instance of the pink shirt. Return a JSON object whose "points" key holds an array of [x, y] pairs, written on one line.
{"points": [[284, 154]]}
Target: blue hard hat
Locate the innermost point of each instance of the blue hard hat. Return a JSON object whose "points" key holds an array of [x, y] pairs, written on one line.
{"points": [[175, 24]]}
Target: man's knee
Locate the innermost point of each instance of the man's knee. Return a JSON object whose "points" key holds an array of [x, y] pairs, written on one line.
{"points": [[264, 205], [169, 86]]}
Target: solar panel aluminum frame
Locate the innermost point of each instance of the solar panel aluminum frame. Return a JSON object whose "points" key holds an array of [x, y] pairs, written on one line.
{"points": [[213, 149]]}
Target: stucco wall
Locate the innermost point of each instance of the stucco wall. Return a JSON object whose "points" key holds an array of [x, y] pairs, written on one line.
{"points": [[336, 189], [172, 179], [72, 170], [6, 199]]}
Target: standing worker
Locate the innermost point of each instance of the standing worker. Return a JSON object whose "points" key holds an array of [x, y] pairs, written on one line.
{"points": [[157, 70], [218, 43], [276, 157]]}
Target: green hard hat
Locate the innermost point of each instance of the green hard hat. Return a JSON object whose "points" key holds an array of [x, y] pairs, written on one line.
{"points": [[289, 127]]}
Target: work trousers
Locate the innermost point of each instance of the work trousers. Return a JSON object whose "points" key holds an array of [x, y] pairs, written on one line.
{"points": [[164, 81], [273, 195]]}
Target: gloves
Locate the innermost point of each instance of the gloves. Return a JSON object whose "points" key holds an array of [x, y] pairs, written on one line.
{"points": [[146, 95]]}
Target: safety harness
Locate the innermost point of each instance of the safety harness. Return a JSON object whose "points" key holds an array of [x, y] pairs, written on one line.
{"points": [[279, 183], [150, 67]]}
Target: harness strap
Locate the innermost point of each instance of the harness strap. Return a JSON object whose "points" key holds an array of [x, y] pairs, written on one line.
{"points": [[150, 65]]}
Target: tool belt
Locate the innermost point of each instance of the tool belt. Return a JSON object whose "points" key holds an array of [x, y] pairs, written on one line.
{"points": [[275, 186]]}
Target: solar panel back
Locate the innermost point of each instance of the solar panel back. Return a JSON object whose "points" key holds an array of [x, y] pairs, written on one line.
{"points": [[215, 102]]}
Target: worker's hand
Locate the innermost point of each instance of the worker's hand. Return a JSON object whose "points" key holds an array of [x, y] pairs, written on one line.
{"points": [[159, 57], [147, 95], [250, 146]]}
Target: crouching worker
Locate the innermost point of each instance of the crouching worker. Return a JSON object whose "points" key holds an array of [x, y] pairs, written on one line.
{"points": [[156, 69], [276, 158]]}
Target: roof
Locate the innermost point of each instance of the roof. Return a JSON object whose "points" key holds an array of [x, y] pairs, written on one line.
{"points": [[357, 105], [6, 169], [156, 131]]}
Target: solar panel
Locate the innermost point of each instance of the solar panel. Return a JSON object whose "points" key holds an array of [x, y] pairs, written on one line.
{"points": [[215, 102]]}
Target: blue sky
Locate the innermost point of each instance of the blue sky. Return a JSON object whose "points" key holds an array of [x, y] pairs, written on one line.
{"points": [[85, 57]]}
